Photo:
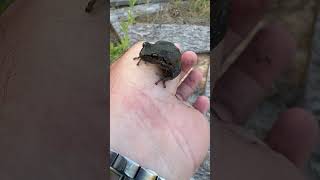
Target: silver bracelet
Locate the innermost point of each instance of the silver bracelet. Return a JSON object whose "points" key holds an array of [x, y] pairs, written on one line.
{"points": [[123, 168]]}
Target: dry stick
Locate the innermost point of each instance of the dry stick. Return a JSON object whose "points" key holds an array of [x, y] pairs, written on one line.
{"points": [[235, 53], [185, 76], [238, 50]]}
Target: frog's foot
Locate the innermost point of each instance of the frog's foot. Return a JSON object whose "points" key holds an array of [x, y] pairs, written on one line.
{"points": [[163, 81], [164, 84], [137, 58]]}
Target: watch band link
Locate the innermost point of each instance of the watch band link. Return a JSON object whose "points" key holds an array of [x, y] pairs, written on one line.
{"points": [[130, 170]]}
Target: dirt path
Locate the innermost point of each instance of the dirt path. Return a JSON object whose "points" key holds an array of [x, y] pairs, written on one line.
{"points": [[52, 84]]}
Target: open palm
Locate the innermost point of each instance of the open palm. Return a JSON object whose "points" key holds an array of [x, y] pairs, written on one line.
{"points": [[153, 125]]}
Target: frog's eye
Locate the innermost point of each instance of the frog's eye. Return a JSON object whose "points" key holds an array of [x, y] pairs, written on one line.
{"points": [[144, 44]]}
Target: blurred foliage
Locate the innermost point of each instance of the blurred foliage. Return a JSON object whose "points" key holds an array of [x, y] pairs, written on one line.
{"points": [[117, 49], [195, 7], [4, 4], [200, 6]]}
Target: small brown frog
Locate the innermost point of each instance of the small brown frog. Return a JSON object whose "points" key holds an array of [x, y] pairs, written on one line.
{"points": [[164, 54]]}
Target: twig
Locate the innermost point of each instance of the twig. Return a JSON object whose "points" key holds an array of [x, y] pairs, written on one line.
{"points": [[238, 50]]}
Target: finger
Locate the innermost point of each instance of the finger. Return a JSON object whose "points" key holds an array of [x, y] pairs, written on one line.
{"points": [[247, 81], [188, 60], [294, 135], [250, 12], [202, 104], [178, 46], [188, 86]]}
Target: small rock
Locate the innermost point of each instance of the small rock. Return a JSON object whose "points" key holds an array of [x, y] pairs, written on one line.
{"points": [[145, 9]]}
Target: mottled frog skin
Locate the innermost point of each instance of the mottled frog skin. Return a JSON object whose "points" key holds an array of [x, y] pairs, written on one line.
{"points": [[164, 54]]}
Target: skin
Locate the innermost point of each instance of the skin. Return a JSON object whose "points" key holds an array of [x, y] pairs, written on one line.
{"points": [[289, 144], [280, 156], [152, 121], [166, 55]]}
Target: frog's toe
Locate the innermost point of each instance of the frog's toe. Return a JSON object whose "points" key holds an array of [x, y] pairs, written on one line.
{"points": [[137, 58], [156, 83], [164, 84]]}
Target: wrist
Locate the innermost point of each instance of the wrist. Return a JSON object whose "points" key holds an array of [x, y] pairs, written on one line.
{"points": [[145, 149], [122, 167]]}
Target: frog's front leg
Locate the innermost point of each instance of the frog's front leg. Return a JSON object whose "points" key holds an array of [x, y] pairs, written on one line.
{"points": [[164, 79], [137, 58]]}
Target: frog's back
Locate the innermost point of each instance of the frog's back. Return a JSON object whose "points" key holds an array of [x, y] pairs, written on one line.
{"points": [[172, 55], [169, 51], [166, 45]]}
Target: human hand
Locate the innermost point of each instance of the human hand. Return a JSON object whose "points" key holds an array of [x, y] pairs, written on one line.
{"points": [[242, 88], [150, 125]]}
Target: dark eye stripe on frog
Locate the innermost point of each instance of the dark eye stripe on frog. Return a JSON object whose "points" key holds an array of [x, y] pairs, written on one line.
{"points": [[145, 44]]}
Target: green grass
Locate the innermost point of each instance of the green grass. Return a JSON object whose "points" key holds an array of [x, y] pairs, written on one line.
{"points": [[200, 6], [4, 4], [196, 7], [117, 49]]}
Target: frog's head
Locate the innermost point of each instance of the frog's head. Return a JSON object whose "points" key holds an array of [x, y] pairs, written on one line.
{"points": [[162, 52], [147, 49], [150, 53]]}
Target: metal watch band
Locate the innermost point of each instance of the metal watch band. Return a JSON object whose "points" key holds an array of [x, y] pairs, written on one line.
{"points": [[127, 169]]}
